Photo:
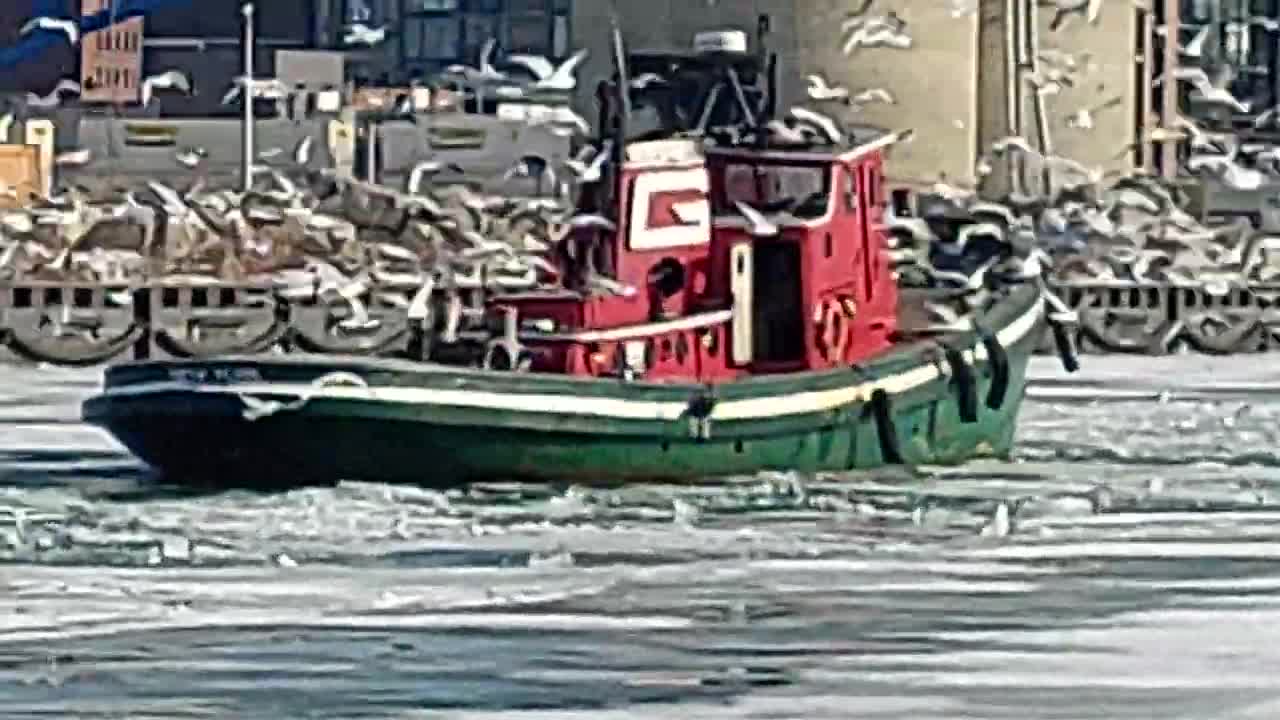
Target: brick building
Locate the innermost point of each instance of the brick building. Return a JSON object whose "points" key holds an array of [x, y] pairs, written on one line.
{"points": [[111, 59]]}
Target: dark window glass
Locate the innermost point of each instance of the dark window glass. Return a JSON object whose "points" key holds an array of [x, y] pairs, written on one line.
{"points": [[539, 27]]}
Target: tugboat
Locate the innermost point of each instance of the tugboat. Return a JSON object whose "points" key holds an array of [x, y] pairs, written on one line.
{"points": [[728, 306]]}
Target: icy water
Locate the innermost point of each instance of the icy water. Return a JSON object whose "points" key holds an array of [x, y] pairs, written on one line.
{"points": [[1139, 579]]}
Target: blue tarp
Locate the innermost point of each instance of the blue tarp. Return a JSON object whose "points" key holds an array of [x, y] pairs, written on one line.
{"points": [[31, 46]]}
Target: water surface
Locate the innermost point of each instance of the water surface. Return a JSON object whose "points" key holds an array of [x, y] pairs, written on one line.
{"points": [[1139, 579]]}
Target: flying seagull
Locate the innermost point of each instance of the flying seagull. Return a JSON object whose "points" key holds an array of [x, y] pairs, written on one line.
{"points": [[1212, 93], [820, 90], [171, 80], [820, 122], [74, 158], [1083, 119], [361, 34], [549, 76], [70, 28], [191, 157], [1066, 8], [757, 224]]}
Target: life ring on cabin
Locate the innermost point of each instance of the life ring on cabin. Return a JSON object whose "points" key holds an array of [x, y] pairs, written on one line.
{"points": [[505, 356], [597, 359], [832, 330]]}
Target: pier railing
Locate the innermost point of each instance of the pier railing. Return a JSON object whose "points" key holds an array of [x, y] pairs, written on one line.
{"points": [[92, 323], [1158, 319]]}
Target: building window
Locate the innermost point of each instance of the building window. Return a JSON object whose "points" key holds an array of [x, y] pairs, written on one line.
{"points": [[1243, 53], [439, 32], [358, 11]]}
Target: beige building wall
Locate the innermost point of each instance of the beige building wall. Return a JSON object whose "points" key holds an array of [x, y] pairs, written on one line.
{"points": [[934, 82], [1112, 71], [111, 59], [951, 86]]}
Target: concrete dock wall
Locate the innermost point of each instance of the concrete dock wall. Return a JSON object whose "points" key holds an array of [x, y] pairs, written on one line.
{"points": [[134, 148]]}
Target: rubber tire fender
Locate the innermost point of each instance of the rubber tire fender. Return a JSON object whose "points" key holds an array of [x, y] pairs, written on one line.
{"points": [[501, 356], [966, 384], [886, 432], [1066, 348], [998, 357]]}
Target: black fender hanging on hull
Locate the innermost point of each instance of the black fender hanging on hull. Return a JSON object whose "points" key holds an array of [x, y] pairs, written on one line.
{"points": [[965, 382], [998, 358], [886, 432]]}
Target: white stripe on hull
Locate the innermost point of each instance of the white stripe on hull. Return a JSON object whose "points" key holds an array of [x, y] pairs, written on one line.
{"points": [[616, 408]]}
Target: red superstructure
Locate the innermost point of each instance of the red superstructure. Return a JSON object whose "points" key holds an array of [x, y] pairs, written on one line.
{"points": [[714, 298], [712, 260]]}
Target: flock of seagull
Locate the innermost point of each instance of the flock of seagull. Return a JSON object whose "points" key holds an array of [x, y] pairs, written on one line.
{"points": [[313, 231], [1087, 226]]}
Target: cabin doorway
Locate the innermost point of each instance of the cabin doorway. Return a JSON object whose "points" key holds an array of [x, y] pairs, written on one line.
{"points": [[778, 324]]}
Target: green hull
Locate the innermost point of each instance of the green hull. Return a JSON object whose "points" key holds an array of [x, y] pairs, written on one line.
{"points": [[394, 421]]}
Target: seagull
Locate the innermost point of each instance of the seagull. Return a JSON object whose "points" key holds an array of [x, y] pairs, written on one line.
{"points": [[74, 157], [1203, 85], [54, 98], [820, 122], [566, 117], [70, 28], [549, 77], [945, 318], [590, 173], [640, 82], [191, 157], [426, 169], [1232, 174], [361, 34], [1091, 9], [595, 222], [786, 134], [533, 168], [872, 95], [270, 89], [486, 72], [1194, 48], [1268, 24], [758, 225], [821, 91], [1204, 140], [1014, 142], [873, 32], [302, 153], [1083, 119], [1048, 81], [171, 80], [1000, 524], [600, 283]]}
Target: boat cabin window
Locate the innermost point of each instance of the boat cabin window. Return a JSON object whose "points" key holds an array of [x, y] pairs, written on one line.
{"points": [[802, 190]]}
